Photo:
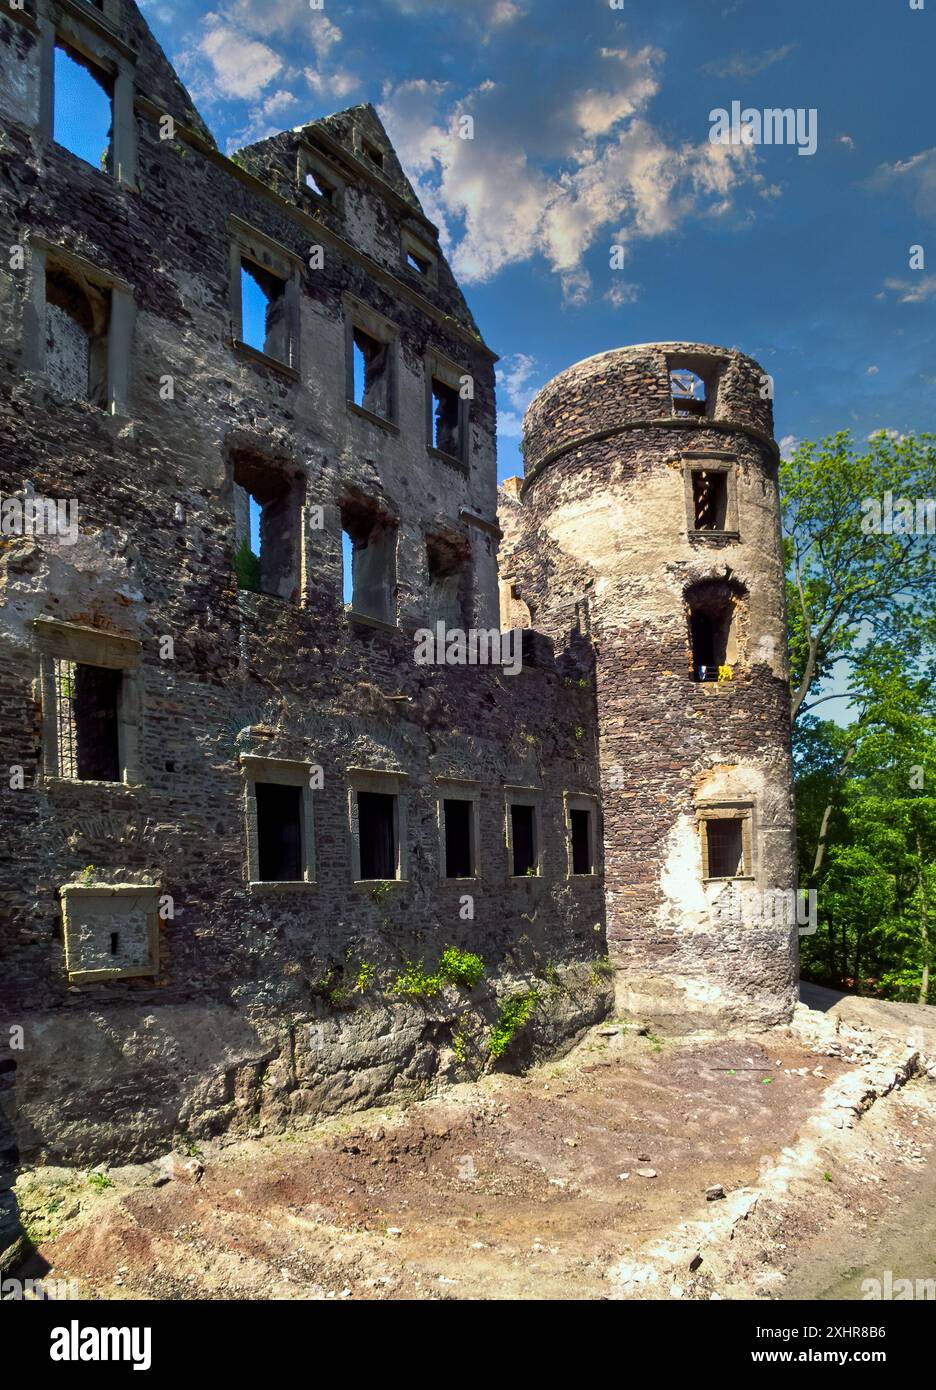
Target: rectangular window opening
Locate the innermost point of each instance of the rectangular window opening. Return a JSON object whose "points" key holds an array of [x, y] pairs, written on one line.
{"points": [[709, 630], [264, 311], [266, 529], [581, 835], [372, 374], [369, 559], [523, 836], [279, 832], [688, 392], [725, 840], [374, 154], [83, 114], [377, 835], [710, 499], [448, 563], [87, 703], [445, 418], [458, 817], [76, 337], [421, 264]]}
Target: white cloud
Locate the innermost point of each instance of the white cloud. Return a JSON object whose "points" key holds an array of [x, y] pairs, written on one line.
{"points": [[226, 63], [913, 291], [742, 66], [872, 370], [914, 177], [847, 141], [788, 445], [621, 293], [895, 435], [552, 177], [514, 373]]}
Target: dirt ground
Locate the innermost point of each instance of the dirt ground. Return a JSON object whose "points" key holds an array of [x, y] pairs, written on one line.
{"points": [[585, 1179]]}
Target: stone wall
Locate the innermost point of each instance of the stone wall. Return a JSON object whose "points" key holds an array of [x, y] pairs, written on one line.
{"points": [[252, 1016]]}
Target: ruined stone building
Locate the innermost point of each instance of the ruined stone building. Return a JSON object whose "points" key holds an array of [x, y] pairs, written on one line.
{"points": [[237, 812]]}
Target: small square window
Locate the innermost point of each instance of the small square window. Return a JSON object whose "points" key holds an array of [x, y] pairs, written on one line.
{"points": [[727, 843], [373, 153]]}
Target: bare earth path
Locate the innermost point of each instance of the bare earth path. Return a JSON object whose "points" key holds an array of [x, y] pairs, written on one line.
{"points": [[585, 1179]]}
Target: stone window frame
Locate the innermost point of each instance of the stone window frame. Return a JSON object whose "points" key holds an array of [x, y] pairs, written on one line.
{"points": [[712, 462], [387, 782], [360, 143], [285, 772], [745, 811], [413, 245], [311, 160], [94, 34], [709, 367], [71, 891], [459, 789], [443, 369], [120, 327], [524, 796], [249, 243], [89, 646], [357, 314], [582, 801]]}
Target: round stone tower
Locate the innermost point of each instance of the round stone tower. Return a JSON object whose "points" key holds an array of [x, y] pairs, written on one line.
{"points": [[651, 524]]}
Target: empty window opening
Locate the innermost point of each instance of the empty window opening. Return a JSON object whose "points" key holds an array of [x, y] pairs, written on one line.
{"points": [[710, 499], [448, 561], [83, 116], [725, 840], [581, 835], [445, 418], [713, 609], [377, 834], [264, 311], [372, 374], [458, 817], [421, 264], [266, 529], [318, 184], [87, 703], [279, 832], [689, 392], [115, 942], [370, 536], [523, 836], [76, 331], [374, 154]]}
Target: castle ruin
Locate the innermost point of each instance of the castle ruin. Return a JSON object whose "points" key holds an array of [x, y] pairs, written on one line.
{"points": [[236, 809]]}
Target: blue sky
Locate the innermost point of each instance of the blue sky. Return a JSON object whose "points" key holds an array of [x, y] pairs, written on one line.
{"points": [[591, 130]]}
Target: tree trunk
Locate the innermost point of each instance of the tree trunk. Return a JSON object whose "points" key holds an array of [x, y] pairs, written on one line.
{"points": [[923, 996]]}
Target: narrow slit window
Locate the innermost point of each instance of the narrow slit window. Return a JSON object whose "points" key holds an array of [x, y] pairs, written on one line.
{"points": [[710, 499], [725, 840], [445, 418], [88, 700], [279, 832], [377, 835], [523, 836], [581, 836], [372, 374], [83, 116], [264, 311], [458, 818]]}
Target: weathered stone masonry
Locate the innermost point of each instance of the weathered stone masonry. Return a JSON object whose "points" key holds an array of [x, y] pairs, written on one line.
{"points": [[230, 1000]]}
